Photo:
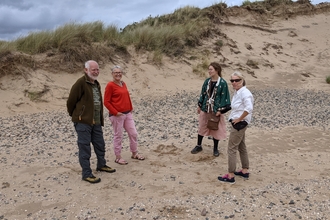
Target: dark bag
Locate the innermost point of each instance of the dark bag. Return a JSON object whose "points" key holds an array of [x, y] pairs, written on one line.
{"points": [[212, 121], [225, 109], [239, 125]]}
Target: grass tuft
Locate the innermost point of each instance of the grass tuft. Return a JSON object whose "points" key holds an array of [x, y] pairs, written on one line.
{"points": [[67, 47], [327, 79], [36, 96]]}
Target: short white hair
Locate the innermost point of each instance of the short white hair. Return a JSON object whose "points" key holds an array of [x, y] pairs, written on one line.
{"points": [[87, 63], [116, 67]]}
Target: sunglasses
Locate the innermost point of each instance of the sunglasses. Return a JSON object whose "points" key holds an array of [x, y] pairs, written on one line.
{"points": [[235, 80]]}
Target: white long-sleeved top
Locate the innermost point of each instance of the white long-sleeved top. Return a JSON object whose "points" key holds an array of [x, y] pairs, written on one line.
{"points": [[242, 101]]}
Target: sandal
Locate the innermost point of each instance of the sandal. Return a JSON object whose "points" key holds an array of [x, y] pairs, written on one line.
{"points": [[121, 161], [137, 157]]}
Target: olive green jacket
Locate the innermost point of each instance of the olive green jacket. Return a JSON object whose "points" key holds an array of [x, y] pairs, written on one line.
{"points": [[221, 98], [80, 104]]}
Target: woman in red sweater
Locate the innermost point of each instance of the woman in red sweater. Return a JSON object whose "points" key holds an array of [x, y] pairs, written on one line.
{"points": [[117, 100]]}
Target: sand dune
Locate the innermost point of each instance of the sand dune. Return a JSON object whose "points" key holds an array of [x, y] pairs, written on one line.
{"points": [[288, 141]]}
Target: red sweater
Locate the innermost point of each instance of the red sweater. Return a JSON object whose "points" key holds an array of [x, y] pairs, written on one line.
{"points": [[117, 99]]}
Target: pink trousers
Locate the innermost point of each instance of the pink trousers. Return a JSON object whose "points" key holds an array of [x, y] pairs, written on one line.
{"points": [[119, 123]]}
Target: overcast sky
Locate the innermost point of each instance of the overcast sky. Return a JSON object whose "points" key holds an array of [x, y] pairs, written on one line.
{"points": [[20, 17]]}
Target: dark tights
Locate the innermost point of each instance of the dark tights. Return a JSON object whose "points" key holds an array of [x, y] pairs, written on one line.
{"points": [[200, 139]]}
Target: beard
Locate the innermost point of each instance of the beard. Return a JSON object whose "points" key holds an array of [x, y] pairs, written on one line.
{"points": [[90, 75]]}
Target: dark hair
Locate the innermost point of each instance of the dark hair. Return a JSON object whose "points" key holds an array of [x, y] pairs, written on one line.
{"points": [[217, 67]]}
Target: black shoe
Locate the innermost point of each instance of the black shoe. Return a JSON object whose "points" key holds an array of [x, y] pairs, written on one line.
{"points": [[241, 174], [92, 179], [106, 169], [197, 149], [226, 179], [216, 153]]}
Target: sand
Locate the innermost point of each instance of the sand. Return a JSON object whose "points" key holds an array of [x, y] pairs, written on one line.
{"points": [[288, 140]]}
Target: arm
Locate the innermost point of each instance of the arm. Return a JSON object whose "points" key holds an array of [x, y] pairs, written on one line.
{"points": [[248, 103], [202, 96], [244, 114], [248, 107], [129, 97], [107, 99], [222, 99], [74, 97]]}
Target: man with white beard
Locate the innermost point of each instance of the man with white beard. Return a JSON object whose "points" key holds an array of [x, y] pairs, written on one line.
{"points": [[85, 106]]}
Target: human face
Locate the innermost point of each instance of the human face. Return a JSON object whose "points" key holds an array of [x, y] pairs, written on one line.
{"points": [[236, 82], [212, 72], [117, 74], [93, 71]]}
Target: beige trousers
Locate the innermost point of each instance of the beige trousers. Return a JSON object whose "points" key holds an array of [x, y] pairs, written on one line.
{"points": [[236, 143]]}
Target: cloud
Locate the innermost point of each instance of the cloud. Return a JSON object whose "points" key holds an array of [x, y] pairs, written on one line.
{"points": [[20, 17]]}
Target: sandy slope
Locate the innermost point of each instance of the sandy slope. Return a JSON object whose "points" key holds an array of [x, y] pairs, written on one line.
{"points": [[288, 142]]}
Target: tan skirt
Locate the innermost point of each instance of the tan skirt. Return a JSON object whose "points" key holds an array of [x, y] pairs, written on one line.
{"points": [[219, 134]]}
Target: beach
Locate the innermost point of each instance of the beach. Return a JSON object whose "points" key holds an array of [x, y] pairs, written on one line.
{"points": [[287, 141]]}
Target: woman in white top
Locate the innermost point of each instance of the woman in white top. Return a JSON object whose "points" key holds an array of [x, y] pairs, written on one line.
{"points": [[240, 117]]}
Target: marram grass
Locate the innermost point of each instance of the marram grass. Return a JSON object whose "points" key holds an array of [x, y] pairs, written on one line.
{"points": [[328, 79]]}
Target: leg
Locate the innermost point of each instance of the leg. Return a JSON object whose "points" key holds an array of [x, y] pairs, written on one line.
{"points": [[84, 140], [234, 141], [235, 138], [99, 145], [215, 147], [221, 133], [243, 153], [117, 126], [202, 129], [199, 140], [129, 126], [198, 147]]}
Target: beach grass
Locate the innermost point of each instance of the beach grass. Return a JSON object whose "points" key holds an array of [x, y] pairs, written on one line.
{"points": [[172, 34], [327, 79]]}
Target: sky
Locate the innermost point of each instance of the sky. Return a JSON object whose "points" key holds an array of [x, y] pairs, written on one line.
{"points": [[21, 17]]}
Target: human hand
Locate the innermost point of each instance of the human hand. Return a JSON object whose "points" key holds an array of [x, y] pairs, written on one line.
{"points": [[234, 121], [198, 110], [119, 114]]}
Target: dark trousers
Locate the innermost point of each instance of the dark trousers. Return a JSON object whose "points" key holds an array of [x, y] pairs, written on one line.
{"points": [[90, 134]]}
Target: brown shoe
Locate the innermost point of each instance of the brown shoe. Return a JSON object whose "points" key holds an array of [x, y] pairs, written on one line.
{"points": [[92, 179], [106, 169]]}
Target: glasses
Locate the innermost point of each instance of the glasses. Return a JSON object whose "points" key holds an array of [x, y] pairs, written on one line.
{"points": [[235, 80], [117, 72]]}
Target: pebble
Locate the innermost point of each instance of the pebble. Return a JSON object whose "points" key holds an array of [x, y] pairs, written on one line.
{"points": [[172, 118]]}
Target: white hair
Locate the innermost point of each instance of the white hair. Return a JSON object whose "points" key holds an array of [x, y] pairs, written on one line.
{"points": [[116, 67], [87, 63]]}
